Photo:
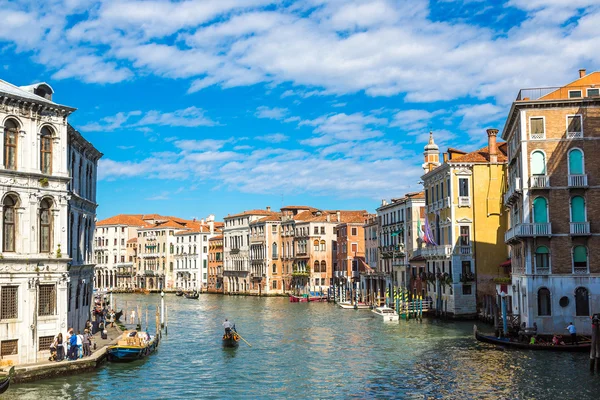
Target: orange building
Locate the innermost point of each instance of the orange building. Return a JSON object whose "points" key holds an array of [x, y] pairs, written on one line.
{"points": [[215, 264]]}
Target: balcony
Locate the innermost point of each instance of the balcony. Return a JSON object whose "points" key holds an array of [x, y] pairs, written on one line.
{"points": [[539, 182], [464, 201], [553, 93], [512, 191], [542, 270], [580, 270], [520, 231], [437, 251], [580, 229], [465, 250], [578, 181], [446, 203]]}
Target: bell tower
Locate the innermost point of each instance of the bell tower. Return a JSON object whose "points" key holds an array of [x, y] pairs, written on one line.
{"points": [[431, 155]]}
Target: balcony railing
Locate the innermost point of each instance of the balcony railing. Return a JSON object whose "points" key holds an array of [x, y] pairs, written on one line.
{"points": [[539, 182], [437, 251], [553, 93], [528, 230], [580, 228], [464, 250], [464, 201], [512, 190], [578, 181], [580, 270], [574, 135], [542, 270]]}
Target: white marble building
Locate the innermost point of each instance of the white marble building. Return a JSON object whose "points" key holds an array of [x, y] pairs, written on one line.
{"points": [[191, 255], [36, 201]]}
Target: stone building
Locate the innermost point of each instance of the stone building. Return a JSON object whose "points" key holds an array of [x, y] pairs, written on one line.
{"points": [[47, 191], [266, 255], [215, 264], [553, 193], [350, 253]]}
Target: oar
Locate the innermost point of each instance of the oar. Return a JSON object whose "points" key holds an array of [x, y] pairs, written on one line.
{"points": [[243, 339]]}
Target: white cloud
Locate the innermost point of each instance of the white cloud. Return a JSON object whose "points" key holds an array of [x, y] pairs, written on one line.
{"points": [[202, 145], [273, 138], [271, 113]]}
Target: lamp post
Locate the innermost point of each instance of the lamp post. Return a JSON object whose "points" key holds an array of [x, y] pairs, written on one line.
{"points": [[162, 309]]}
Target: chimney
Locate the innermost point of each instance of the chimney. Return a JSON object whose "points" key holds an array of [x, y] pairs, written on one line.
{"points": [[211, 224], [338, 216], [493, 149], [201, 221], [582, 72], [445, 157], [328, 218], [268, 208]]}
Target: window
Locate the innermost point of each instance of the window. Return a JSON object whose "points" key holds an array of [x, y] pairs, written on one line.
{"points": [[538, 163], [9, 348], [316, 230], [536, 127], [322, 230], [464, 236], [274, 228], [45, 226], [466, 267], [316, 245], [354, 248], [542, 259], [463, 187], [582, 302], [467, 290], [574, 94], [593, 92], [580, 259], [578, 209], [544, 306], [11, 132], [316, 267], [323, 266], [574, 128], [45, 342], [274, 284], [9, 224], [46, 151], [354, 231], [576, 162], [274, 248], [47, 299], [323, 245], [274, 268], [9, 302], [540, 210]]}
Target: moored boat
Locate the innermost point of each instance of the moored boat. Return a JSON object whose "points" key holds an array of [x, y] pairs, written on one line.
{"points": [[506, 342], [231, 339], [193, 295], [317, 297], [350, 306], [5, 380], [179, 293], [298, 299], [133, 345], [388, 314]]}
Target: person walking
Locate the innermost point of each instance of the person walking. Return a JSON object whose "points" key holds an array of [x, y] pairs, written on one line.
{"points": [[87, 341], [79, 344], [72, 345], [573, 332]]}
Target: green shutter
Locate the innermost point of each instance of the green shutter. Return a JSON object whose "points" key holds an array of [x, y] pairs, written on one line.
{"points": [[540, 207], [577, 209], [538, 163], [580, 254], [575, 162], [542, 250]]}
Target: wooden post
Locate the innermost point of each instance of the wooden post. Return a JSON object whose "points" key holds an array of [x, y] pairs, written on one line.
{"points": [[595, 349]]}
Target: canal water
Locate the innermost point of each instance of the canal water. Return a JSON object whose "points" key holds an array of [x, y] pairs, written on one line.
{"points": [[317, 351]]}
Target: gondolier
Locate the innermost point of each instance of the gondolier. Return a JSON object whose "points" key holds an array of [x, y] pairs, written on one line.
{"points": [[227, 325]]}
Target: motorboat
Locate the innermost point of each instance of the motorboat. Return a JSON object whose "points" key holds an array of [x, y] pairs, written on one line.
{"points": [[387, 313]]}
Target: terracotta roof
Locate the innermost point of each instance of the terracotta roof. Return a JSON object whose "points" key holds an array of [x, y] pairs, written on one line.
{"points": [[270, 218], [132, 240], [252, 212], [298, 208], [358, 216], [220, 237], [123, 219], [481, 156]]}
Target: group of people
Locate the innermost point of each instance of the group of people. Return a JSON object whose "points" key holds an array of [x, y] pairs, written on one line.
{"points": [[557, 340], [75, 346]]}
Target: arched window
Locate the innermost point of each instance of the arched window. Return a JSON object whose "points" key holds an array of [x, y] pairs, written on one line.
{"points": [[538, 163], [11, 135], [9, 223], [45, 226], [274, 268], [578, 209], [542, 259], [323, 266], [46, 151], [322, 245], [544, 304], [540, 210], [274, 248], [576, 162], [580, 260], [316, 244], [582, 302], [317, 267]]}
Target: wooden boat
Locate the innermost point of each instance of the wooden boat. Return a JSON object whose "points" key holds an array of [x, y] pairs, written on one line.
{"points": [[349, 306], [193, 295], [133, 345], [298, 299], [317, 297], [179, 293], [5, 380], [231, 339], [505, 342], [388, 314]]}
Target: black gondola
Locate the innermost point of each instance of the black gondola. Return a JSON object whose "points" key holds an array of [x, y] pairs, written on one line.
{"points": [[231, 339], [179, 293], [193, 295], [5, 380], [527, 346]]}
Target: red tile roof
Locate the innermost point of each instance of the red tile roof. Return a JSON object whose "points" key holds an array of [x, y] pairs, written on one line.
{"points": [[123, 219], [252, 212], [481, 156]]}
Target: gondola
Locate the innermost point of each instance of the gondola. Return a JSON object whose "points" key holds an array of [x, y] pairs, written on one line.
{"points": [[179, 293], [5, 380], [193, 295], [231, 339], [527, 346], [132, 346]]}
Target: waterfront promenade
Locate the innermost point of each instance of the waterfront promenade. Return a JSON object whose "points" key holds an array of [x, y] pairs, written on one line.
{"points": [[317, 350]]}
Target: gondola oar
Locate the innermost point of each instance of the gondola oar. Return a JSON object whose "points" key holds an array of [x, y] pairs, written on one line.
{"points": [[243, 339]]}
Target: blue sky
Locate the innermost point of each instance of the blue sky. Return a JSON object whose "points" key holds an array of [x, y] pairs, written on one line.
{"points": [[218, 106]]}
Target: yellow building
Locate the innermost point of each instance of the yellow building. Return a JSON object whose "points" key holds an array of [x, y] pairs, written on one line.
{"points": [[464, 226]]}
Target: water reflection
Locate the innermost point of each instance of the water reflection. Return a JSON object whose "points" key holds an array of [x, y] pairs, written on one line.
{"points": [[306, 350]]}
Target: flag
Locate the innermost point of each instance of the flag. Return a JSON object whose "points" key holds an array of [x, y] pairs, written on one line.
{"points": [[420, 234], [428, 234]]}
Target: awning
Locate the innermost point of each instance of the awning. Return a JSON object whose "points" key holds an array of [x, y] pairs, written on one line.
{"points": [[505, 263]]}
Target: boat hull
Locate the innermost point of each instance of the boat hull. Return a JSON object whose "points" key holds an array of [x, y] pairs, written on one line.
{"points": [[387, 314], [584, 347], [350, 306], [192, 296], [230, 341], [131, 353], [298, 299], [4, 384]]}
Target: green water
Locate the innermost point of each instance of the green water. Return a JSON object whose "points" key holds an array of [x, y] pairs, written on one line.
{"points": [[317, 351]]}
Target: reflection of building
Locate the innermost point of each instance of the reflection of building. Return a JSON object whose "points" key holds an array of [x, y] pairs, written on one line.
{"points": [[47, 189], [463, 226], [215, 264], [553, 136]]}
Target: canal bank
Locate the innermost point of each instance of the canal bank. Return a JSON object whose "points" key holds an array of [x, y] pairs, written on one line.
{"points": [[316, 350]]}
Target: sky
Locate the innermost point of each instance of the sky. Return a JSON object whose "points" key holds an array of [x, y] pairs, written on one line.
{"points": [[218, 106]]}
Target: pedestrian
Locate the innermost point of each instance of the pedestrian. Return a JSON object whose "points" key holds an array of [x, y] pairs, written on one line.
{"points": [[79, 344], [53, 351], [72, 345], [132, 317], [87, 341], [60, 347], [88, 326], [112, 318], [573, 332]]}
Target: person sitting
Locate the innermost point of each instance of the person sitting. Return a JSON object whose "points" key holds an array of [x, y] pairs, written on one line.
{"points": [[532, 340], [556, 341]]}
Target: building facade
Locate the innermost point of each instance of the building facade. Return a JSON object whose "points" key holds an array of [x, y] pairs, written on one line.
{"points": [[266, 255], [553, 192], [39, 295], [215, 264], [463, 228], [191, 255]]}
